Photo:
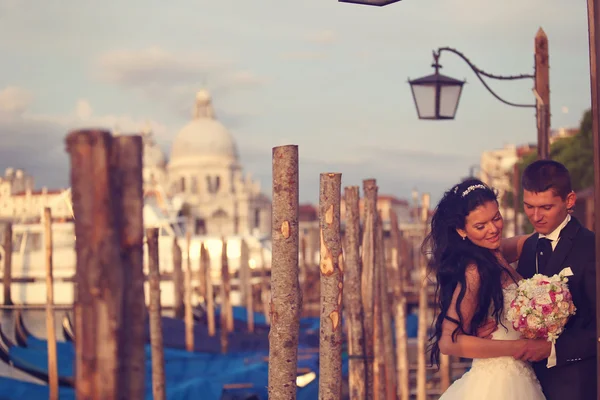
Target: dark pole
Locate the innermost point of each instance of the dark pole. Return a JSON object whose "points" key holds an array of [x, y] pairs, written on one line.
{"points": [[594, 33], [516, 193], [542, 88]]}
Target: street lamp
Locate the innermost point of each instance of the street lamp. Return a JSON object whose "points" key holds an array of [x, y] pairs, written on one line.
{"points": [[378, 3], [437, 96], [448, 90]]}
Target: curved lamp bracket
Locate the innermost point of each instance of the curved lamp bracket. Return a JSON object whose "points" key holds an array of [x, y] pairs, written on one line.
{"points": [[481, 73]]}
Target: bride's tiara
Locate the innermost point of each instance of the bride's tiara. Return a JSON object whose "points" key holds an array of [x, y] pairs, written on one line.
{"points": [[470, 189]]}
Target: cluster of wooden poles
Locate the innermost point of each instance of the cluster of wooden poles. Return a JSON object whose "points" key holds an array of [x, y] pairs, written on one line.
{"points": [[355, 280], [109, 306], [354, 274]]}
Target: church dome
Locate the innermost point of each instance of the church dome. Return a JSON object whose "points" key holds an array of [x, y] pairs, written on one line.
{"points": [[203, 137]]}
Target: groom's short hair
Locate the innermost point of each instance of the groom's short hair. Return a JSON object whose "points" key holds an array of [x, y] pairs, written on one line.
{"points": [[542, 175]]}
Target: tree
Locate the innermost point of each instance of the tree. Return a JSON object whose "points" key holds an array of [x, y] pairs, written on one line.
{"points": [[575, 152]]}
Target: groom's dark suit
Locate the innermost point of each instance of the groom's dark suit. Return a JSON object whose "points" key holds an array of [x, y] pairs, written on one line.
{"points": [[574, 375]]}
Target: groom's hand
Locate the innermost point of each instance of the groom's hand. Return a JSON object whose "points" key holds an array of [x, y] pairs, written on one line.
{"points": [[485, 331], [534, 350]]}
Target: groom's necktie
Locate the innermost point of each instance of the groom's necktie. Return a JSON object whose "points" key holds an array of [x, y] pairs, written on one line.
{"points": [[544, 251]]}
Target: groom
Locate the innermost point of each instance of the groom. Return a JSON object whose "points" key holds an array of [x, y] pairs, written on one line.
{"points": [[566, 370]]}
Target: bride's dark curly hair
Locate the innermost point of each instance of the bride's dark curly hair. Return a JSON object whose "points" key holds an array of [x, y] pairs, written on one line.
{"points": [[450, 255]]}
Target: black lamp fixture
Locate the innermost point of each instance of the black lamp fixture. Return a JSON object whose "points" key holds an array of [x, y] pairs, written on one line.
{"points": [[436, 96]]}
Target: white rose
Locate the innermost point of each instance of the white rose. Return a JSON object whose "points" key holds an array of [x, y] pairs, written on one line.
{"points": [[544, 299]]}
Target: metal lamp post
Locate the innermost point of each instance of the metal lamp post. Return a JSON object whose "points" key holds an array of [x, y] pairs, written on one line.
{"points": [[437, 96], [594, 39]]}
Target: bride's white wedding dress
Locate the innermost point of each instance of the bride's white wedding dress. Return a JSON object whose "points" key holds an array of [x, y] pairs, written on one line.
{"points": [[501, 378]]}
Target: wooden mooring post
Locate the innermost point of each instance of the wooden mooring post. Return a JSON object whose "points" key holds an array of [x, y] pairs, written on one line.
{"points": [[367, 279], [187, 279], [379, 367], [109, 352], [50, 324], [286, 298], [7, 275], [126, 176], [398, 264], [156, 336], [385, 277], [423, 310], [178, 280], [352, 299], [210, 299], [332, 283], [246, 282]]}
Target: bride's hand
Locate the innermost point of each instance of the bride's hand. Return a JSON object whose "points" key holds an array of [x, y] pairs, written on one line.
{"points": [[532, 350]]}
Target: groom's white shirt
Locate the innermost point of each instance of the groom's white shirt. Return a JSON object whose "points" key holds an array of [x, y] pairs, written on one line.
{"points": [[554, 237]]}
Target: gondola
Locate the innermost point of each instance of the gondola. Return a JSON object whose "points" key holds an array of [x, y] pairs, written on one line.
{"points": [[25, 360], [21, 332], [67, 328], [174, 338]]}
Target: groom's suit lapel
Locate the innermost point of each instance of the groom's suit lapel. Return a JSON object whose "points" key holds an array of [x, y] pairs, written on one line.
{"points": [[529, 257], [563, 247]]}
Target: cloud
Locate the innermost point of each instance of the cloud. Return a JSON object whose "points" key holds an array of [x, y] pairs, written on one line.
{"points": [[83, 109], [154, 65], [397, 171], [35, 142], [173, 78], [14, 99]]}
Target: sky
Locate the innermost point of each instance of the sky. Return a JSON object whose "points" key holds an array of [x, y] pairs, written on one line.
{"points": [[329, 77]]}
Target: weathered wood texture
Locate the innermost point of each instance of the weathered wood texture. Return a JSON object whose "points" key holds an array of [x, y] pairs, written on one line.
{"points": [[423, 311], [265, 290], [332, 284], [187, 285], [210, 297], [352, 299], [386, 317], [225, 299], [367, 276], [177, 277], [7, 275], [379, 378], [128, 192], [201, 277], [109, 246], [227, 308], [156, 336], [246, 277], [542, 87], [50, 325], [398, 264], [303, 267], [286, 296]]}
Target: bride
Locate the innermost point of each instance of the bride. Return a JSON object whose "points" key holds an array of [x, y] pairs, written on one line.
{"points": [[475, 283]]}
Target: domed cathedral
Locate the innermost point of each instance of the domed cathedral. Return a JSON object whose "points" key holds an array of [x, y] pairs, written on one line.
{"points": [[204, 177]]}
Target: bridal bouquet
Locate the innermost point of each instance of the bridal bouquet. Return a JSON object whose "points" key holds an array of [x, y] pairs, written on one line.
{"points": [[542, 306]]}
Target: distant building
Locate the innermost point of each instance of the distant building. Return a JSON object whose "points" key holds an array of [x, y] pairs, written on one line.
{"points": [[205, 179], [562, 133], [19, 202]]}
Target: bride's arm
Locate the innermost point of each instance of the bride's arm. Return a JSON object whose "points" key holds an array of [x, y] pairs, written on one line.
{"points": [[511, 248], [468, 346]]}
